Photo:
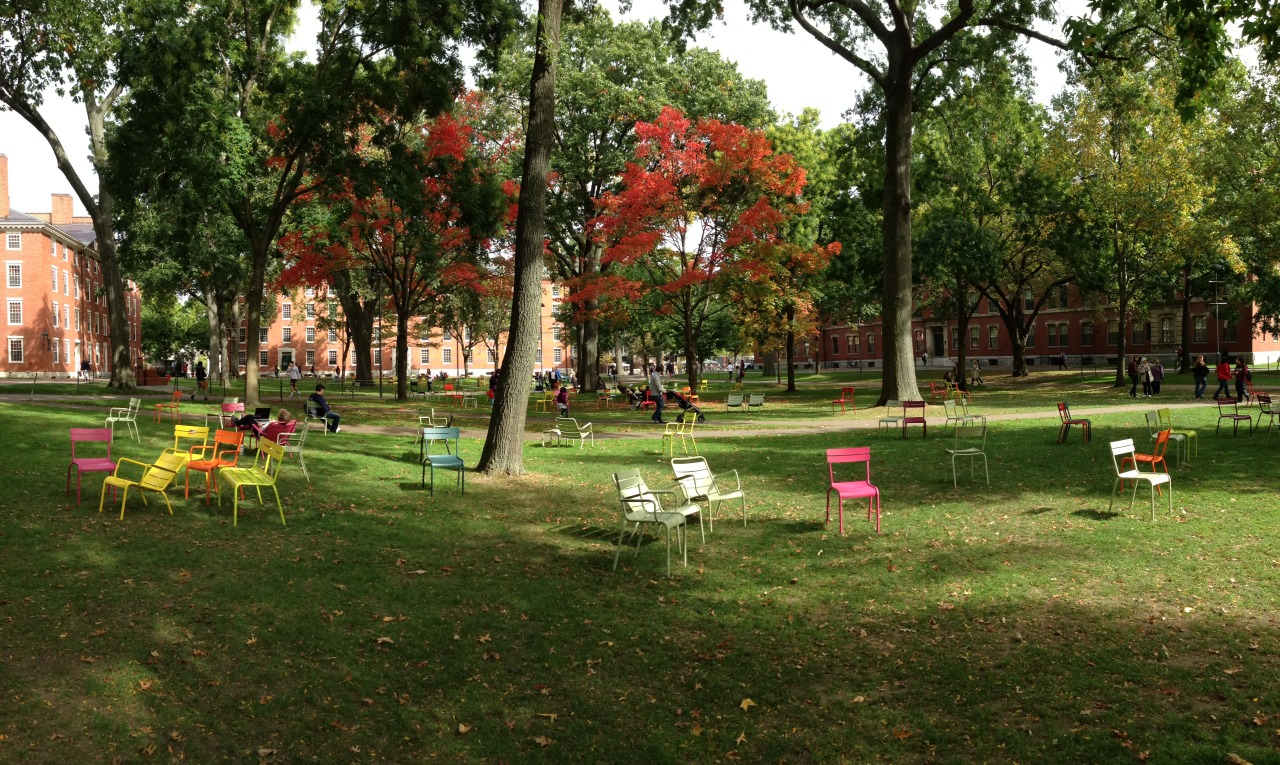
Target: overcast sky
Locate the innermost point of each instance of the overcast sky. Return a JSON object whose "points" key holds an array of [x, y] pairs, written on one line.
{"points": [[799, 72]]}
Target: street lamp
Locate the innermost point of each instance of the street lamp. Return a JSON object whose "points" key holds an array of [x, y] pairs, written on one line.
{"points": [[1217, 326]]}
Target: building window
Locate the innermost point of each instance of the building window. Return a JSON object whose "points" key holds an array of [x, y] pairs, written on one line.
{"points": [[1031, 335], [77, 319], [333, 335], [310, 292], [1229, 330], [55, 314], [242, 336], [955, 338], [447, 355], [1139, 332], [919, 343], [15, 274], [263, 359], [333, 309], [240, 358], [15, 350], [64, 252], [1086, 334], [311, 358], [57, 357], [1200, 329], [489, 355], [1062, 297], [15, 312], [448, 338], [1166, 330], [66, 283], [1028, 299], [1113, 332], [555, 333], [53, 249], [555, 355], [77, 289], [993, 336], [871, 343], [311, 310], [333, 358], [555, 290], [286, 334], [973, 338], [311, 334], [286, 311], [53, 273], [424, 355], [262, 334], [377, 357], [66, 350], [14, 242], [835, 345]]}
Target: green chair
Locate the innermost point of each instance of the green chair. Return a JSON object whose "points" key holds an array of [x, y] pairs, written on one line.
{"points": [[756, 401], [1156, 423], [265, 470], [451, 460], [734, 402], [890, 419], [969, 441], [641, 505], [701, 485], [570, 430]]}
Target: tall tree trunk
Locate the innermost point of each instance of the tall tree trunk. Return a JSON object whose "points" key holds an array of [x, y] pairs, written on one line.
{"points": [[504, 446], [402, 356], [231, 317], [360, 316], [899, 381], [259, 246], [1019, 336], [217, 339], [589, 357], [690, 346], [1184, 358], [791, 362]]}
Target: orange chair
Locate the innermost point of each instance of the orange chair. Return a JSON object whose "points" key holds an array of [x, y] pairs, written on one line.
{"points": [[171, 406], [1156, 457], [846, 397], [856, 489], [939, 391], [225, 453], [914, 419]]}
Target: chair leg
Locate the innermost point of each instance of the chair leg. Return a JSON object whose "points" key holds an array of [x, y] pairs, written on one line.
{"points": [[278, 505], [743, 499], [1114, 488], [840, 513], [618, 550]]}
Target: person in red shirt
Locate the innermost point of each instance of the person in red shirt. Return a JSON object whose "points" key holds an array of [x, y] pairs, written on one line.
{"points": [[1224, 379]]}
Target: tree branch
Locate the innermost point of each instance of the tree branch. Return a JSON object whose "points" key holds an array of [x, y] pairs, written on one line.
{"points": [[945, 32], [861, 63]]}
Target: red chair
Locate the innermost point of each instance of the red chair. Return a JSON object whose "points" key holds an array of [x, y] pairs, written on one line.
{"points": [[846, 397], [1228, 410], [914, 419], [857, 489], [1156, 457], [170, 406], [226, 453], [1064, 414], [89, 464], [939, 391]]}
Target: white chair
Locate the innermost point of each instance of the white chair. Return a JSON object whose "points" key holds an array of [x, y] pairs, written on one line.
{"points": [[640, 504], [756, 401], [892, 420], [700, 485], [294, 446], [570, 430], [128, 415], [952, 412], [1155, 425], [969, 441], [1122, 450], [312, 414]]}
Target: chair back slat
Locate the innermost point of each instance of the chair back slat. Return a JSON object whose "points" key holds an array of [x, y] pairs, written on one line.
{"points": [[696, 472], [90, 434]]}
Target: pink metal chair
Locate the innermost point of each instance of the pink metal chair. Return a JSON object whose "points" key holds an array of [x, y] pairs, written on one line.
{"points": [[857, 489], [89, 464], [914, 418]]}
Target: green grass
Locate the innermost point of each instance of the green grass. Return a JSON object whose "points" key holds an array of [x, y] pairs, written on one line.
{"points": [[1019, 623]]}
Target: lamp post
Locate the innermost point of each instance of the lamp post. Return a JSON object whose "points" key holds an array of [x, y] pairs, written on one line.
{"points": [[380, 351], [1217, 325]]}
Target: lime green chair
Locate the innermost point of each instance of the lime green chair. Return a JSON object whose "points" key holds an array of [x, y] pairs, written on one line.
{"points": [[734, 402], [701, 485], [1184, 437], [684, 432], [641, 505], [156, 477], [265, 470]]}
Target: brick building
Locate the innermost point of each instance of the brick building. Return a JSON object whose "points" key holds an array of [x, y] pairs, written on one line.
{"points": [[1067, 325], [298, 332], [55, 307]]}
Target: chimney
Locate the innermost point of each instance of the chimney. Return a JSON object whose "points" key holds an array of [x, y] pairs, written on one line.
{"points": [[60, 206], [4, 186]]}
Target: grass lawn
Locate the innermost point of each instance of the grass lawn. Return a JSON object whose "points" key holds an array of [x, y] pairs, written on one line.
{"points": [[1019, 623]]}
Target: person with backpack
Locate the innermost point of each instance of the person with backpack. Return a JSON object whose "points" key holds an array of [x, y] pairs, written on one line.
{"points": [[1243, 375]]}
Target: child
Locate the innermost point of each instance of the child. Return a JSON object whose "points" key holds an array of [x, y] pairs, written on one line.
{"points": [[562, 399]]}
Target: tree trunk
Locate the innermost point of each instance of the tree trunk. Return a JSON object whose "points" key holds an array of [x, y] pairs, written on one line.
{"points": [[899, 380], [259, 246], [690, 346], [1184, 358], [231, 315], [217, 337], [1019, 337], [402, 356], [589, 357], [504, 446], [791, 351]]}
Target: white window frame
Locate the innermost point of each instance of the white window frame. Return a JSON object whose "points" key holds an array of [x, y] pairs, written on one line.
{"points": [[14, 303], [13, 241], [424, 355], [311, 357], [333, 358], [286, 334], [16, 343], [55, 314], [286, 311], [311, 310], [311, 334], [10, 272], [446, 355]]}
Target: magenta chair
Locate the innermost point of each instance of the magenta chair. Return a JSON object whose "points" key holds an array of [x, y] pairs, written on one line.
{"points": [[855, 489], [89, 464]]}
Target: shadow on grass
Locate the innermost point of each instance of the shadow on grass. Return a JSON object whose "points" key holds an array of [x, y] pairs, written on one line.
{"points": [[1097, 515]]}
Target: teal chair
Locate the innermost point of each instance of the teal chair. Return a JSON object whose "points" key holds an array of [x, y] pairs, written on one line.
{"points": [[451, 460]]}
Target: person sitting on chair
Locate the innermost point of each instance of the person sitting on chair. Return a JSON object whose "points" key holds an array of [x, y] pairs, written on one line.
{"points": [[274, 430], [322, 408]]}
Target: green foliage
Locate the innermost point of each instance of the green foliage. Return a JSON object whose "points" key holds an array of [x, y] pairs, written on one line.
{"points": [[170, 328]]}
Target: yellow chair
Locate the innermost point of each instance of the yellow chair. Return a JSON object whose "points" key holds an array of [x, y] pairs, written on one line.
{"points": [[546, 403], [191, 434], [155, 477], [265, 470], [171, 406], [704, 387], [681, 430]]}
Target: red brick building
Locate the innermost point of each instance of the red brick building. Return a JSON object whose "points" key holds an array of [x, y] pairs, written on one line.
{"points": [[55, 307], [297, 332], [1066, 326]]}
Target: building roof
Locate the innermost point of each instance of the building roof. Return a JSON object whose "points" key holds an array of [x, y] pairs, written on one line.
{"points": [[19, 217], [81, 232]]}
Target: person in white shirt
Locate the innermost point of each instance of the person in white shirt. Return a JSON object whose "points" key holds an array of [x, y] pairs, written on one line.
{"points": [[295, 374], [655, 388]]}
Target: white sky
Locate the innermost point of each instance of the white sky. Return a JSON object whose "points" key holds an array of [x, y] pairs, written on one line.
{"points": [[799, 72]]}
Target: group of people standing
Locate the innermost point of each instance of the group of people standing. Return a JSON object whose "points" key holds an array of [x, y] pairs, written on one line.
{"points": [[1147, 372], [1150, 374]]}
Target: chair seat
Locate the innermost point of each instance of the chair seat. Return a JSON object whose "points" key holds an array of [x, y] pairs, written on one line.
{"points": [[1138, 475], [855, 489], [968, 451], [93, 464], [716, 496], [670, 519], [204, 465], [247, 476], [445, 460]]}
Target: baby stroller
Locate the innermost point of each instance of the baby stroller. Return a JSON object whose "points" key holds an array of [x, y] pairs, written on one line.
{"points": [[686, 406], [634, 397]]}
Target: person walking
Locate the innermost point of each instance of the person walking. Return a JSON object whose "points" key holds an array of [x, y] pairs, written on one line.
{"points": [[1157, 377], [1243, 375], [295, 374], [659, 397], [1223, 372], [202, 381], [1132, 371], [1200, 371]]}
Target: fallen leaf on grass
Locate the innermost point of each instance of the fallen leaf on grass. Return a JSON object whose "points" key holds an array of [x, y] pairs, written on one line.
{"points": [[384, 639], [696, 729], [746, 704], [144, 685], [463, 728], [742, 737], [542, 741], [901, 733]]}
